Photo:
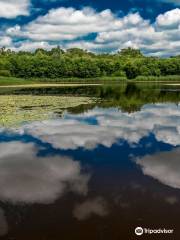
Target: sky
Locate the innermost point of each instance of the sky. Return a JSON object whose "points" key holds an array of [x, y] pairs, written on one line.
{"points": [[153, 26]]}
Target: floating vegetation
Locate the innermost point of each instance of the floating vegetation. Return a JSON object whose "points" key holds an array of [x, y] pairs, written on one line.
{"points": [[18, 109]]}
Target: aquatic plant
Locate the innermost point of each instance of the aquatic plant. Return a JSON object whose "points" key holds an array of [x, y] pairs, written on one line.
{"points": [[17, 109]]}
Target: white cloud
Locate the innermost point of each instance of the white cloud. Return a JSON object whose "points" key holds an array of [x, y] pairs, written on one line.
{"points": [[14, 8], [170, 19], [160, 38], [161, 120], [71, 134], [67, 24], [27, 178], [31, 46], [5, 41], [164, 166]]}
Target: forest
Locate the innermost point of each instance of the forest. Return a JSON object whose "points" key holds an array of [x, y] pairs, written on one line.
{"points": [[77, 63]]}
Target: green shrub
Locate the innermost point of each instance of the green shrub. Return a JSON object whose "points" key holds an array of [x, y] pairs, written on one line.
{"points": [[5, 73]]}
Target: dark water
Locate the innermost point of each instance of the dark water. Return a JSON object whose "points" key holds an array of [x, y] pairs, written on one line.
{"points": [[98, 172]]}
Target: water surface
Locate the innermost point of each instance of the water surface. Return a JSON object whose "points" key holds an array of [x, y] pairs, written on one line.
{"points": [[98, 170]]}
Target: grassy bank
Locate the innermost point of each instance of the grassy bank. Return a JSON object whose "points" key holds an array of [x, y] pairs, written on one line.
{"points": [[81, 80], [10, 81], [4, 81], [171, 78]]}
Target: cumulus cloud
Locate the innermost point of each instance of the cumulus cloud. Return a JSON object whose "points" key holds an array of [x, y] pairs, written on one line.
{"points": [[14, 8], [160, 38], [160, 119], [5, 41], [71, 134], [170, 19], [27, 178], [31, 46], [164, 166], [90, 207], [67, 24]]}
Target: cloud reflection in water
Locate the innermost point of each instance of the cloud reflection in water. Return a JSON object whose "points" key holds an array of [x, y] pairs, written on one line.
{"points": [[163, 120], [163, 166], [3, 223], [27, 178], [85, 210]]}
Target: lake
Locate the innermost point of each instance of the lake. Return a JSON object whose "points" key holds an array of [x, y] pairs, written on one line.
{"points": [[89, 162]]}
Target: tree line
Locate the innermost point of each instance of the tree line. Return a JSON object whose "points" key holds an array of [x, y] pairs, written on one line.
{"points": [[57, 63]]}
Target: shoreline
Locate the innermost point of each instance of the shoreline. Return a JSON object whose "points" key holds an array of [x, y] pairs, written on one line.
{"points": [[36, 85], [25, 83]]}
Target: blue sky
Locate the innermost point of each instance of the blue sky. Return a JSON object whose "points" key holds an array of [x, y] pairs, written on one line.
{"points": [[148, 8], [96, 25]]}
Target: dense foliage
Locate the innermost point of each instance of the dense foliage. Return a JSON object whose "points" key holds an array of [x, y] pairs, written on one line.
{"points": [[75, 62]]}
